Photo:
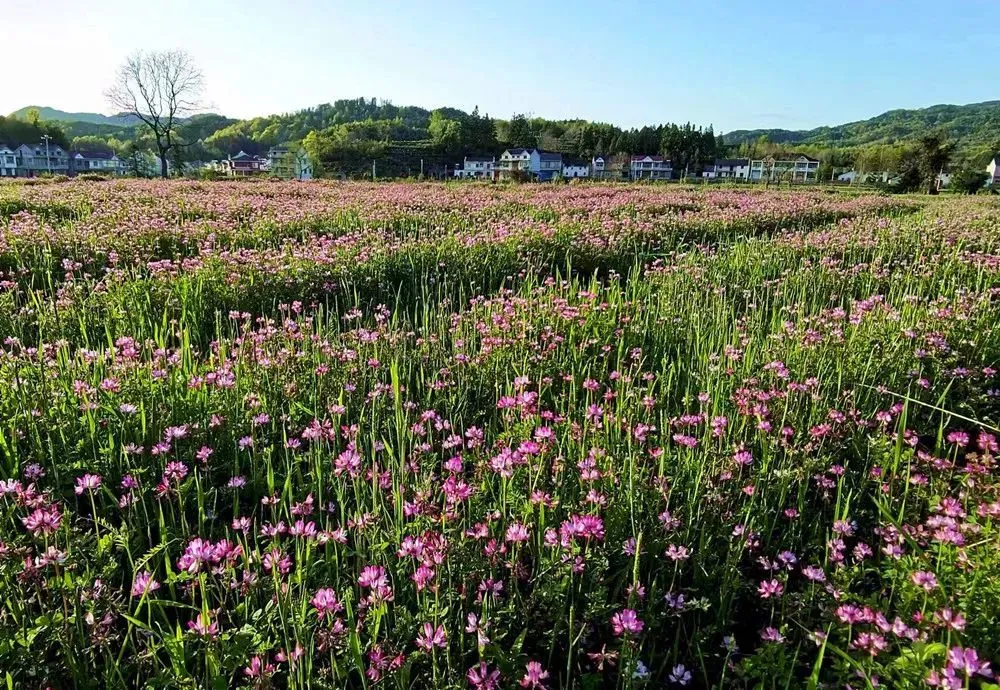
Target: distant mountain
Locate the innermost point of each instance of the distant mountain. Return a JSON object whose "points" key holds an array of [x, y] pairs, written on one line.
{"points": [[53, 114], [976, 124]]}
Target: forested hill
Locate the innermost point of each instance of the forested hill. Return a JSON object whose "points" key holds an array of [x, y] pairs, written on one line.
{"points": [[971, 126], [56, 115]]}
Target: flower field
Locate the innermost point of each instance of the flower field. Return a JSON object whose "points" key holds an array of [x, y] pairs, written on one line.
{"points": [[434, 436]]}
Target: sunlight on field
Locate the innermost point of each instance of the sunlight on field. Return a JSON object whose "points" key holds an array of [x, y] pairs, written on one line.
{"points": [[334, 435]]}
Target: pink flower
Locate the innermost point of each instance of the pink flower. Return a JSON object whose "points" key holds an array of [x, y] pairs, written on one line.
{"points": [[43, 521], [770, 588], [204, 626], [517, 533], [627, 622], [770, 634], [850, 614], [967, 661], [373, 577], [678, 553], [534, 675], [814, 573], [685, 440], [432, 636], [482, 678], [959, 438], [87, 482], [258, 668], [951, 619], [144, 584], [325, 601], [925, 579]]}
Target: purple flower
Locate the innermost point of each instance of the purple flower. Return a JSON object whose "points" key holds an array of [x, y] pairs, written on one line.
{"points": [[680, 675], [770, 634], [626, 622]]}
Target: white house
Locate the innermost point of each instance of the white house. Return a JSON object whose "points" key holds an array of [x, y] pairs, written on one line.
{"points": [[480, 167], [104, 162], [575, 169], [645, 167], [289, 162], [795, 168], [728, 168], [8, 162], [540, 165], [599, 166], [994, 170]]}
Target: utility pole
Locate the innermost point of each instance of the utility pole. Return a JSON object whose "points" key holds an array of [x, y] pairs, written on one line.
{"points": [[373, 170], [48, 161]]}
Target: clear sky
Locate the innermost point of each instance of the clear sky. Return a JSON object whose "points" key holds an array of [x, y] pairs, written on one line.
{"points": [[741, 64]]}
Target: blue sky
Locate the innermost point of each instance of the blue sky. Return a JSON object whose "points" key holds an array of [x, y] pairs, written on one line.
{"points": [[746, 64]]}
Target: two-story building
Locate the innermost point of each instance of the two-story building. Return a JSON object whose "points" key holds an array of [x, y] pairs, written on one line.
{"points": [[607, 167], [38, 159], [289, 162], [575, 169], [794, 168], [646, 167], [8, 161], [101, 162], [727, 169], [477, 167], [531, 163], [244, 165]]}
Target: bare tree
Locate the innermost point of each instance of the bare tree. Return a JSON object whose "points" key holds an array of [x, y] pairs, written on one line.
{"points": [[159, 88]]}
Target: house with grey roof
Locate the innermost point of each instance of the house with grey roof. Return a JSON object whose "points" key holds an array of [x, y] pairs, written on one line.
{"points": [[38, 159], [100, 162], [727, 169], [476, 167]]}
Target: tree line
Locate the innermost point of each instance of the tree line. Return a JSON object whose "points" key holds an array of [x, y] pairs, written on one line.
{"points": [[162, 91]]}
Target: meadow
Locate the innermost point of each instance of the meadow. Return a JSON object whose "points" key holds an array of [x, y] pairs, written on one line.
{"points": [[473, 436]]}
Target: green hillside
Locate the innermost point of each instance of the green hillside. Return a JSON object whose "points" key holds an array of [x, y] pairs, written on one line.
{"points": [[970, 126], [56, 115]]}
